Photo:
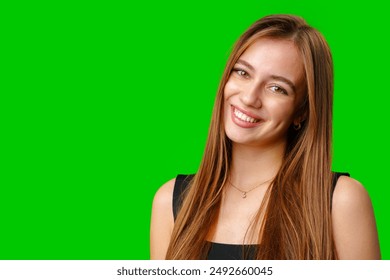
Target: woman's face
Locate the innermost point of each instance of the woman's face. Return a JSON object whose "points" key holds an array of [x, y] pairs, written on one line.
{"points": [[263, 93]]}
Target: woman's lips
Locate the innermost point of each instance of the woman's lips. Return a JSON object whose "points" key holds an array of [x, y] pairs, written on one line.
{"points": [[244, 119]]}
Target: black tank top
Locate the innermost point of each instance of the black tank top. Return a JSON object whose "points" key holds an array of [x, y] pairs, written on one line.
{"points": [[222, 251]]}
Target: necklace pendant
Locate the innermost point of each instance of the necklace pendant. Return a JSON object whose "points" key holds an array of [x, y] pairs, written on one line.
{"points": [[243, 194]]}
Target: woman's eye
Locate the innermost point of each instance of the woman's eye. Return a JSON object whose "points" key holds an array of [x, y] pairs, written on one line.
{"points": [[241, 73], [278, 89]]}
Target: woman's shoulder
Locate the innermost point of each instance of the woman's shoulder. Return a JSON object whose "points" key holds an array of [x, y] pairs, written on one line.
{"points": [[353, 219], [349, 191], [350, 198], [173, 187], [170, 193], [162, 220], [162, 200]]}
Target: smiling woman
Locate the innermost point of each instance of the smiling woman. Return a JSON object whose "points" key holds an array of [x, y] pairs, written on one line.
{"points": [[264, 92], [265, 189]]}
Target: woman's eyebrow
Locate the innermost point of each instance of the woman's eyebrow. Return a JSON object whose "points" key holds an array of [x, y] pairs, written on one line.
{"points": [[247, 64], [283, 79]]}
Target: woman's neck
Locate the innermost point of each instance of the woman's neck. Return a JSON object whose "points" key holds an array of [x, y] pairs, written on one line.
{"points": [[253, 165]]}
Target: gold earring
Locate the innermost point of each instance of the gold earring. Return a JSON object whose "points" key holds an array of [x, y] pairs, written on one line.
{"points": [[297, 126]]}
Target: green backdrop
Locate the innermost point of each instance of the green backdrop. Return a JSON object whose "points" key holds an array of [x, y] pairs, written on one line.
{"points": [[103, 102]]}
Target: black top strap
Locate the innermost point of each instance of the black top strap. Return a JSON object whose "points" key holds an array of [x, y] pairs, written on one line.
{"points": [[182, 182]]}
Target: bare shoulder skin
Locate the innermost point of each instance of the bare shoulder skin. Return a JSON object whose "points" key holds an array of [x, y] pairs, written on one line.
{"points": [[162, 221], [354, 226]]}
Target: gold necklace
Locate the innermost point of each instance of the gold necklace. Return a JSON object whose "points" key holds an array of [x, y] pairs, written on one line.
{"points": [[243, 193]]}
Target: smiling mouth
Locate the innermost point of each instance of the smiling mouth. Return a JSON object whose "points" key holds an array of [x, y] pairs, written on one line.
{"points": [[242, 116]]}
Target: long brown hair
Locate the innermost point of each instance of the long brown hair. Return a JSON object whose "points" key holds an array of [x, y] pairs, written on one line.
{"points": [[300, 226]]}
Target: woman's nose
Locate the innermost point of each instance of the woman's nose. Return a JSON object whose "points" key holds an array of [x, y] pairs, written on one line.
{"points": [[251, 96]]}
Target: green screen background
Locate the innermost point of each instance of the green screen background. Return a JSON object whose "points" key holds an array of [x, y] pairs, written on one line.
{"points": [[103, 102]]}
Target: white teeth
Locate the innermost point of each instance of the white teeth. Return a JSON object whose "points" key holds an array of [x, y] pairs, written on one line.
{"points": [[244, 117]]}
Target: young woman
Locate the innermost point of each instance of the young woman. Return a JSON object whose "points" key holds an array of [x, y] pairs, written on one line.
{"points": [[264, 189]]}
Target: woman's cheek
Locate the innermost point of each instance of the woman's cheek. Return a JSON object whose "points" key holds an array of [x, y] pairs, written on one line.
{"points": [[231, 88]]}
